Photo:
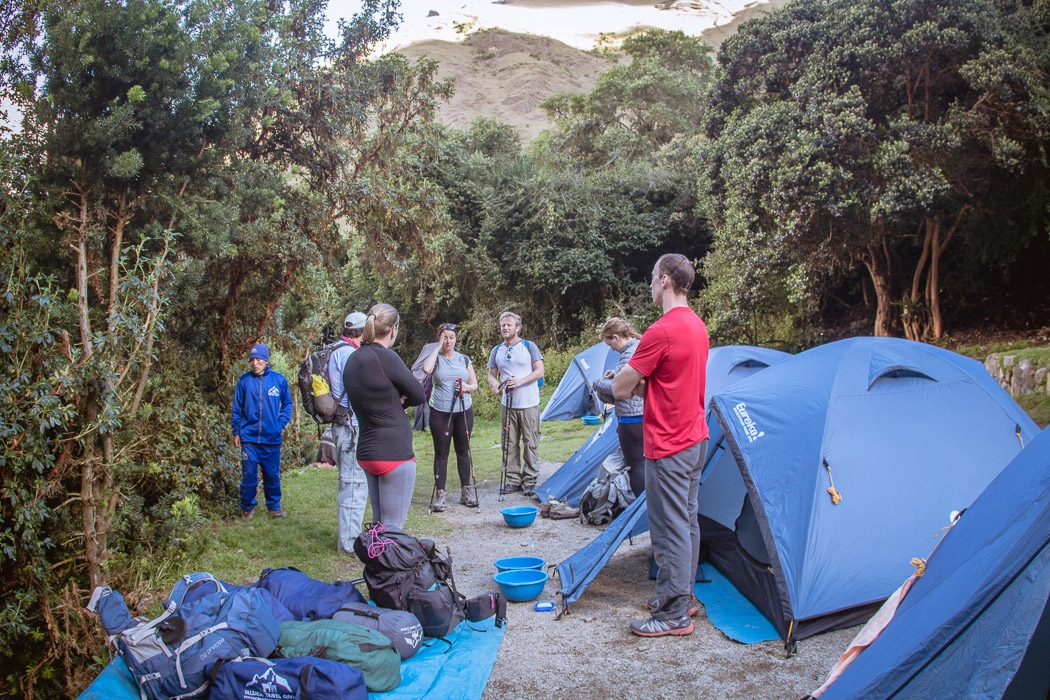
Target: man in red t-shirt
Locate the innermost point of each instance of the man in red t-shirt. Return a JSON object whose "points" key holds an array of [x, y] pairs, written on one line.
{"points": [[669, 369]]}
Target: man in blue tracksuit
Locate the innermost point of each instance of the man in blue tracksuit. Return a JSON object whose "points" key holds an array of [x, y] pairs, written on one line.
{"points": [[262, 406]]}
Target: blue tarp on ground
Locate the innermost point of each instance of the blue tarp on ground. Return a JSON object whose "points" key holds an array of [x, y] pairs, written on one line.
{"points": [[976, 624], [725, 366], [909, 433], [571, 480], [573, 397], [436, 671]]}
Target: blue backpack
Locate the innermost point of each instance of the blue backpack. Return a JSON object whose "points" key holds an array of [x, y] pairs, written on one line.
{"points": [[169, 657], [299, 678]]}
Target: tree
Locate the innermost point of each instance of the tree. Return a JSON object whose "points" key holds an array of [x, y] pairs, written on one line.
{"points": [[869, 134], [638, 107]]}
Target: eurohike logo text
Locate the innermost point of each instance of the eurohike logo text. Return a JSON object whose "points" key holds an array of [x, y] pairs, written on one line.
{"points": [[274, 391], [750, 429], [268, 686]]}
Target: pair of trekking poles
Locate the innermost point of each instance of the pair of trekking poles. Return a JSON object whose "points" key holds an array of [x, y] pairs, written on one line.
{"points": [[457, 395], [506, 403]]}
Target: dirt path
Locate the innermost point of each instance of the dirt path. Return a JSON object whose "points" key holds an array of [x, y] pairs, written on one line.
{"points": [[591, 653]]}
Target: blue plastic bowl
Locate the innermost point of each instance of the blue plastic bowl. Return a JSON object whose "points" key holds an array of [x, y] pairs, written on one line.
{"points": [[591, 420], [520, 516], [521, 585], [518, 563]]}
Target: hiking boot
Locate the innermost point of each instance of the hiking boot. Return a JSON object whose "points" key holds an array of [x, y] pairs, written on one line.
{"points": [[466, 497], [562, 511], [278, 514], [662, 628], [694, 605], [438, 506], [247, 514], [528, 490], [509, 488]]}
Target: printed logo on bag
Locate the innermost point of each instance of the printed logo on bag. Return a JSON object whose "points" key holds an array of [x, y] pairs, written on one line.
{"points": [[268, 686], [413, 635], [274, 391], [750, 429]]}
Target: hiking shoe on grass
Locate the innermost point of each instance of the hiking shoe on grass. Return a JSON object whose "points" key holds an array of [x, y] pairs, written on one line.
{"points": [[438, 506], [278, 514], [662, 628], [694, 605], [247, 514]]}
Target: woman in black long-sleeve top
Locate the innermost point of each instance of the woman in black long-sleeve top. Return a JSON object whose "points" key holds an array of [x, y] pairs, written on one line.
{"points": [[380, 387]]}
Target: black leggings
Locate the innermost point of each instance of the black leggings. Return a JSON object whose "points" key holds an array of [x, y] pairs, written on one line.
{"points": [[630, 435], [446, 428]]}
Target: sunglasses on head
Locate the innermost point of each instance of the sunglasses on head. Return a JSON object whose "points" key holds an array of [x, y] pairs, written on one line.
{"points": [[446, 327]]}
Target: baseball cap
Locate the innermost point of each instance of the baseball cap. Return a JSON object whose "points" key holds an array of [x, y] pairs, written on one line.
{"points": [[356, 320]]}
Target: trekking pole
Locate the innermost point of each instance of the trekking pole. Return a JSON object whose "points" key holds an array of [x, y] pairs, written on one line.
{"points": [[508, 393], [470, 458]]}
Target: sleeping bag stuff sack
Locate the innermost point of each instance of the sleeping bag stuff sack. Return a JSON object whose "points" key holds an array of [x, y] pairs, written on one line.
{"points": [[365, 649], [400, 626], [300, 678], [170, 656], [307, 598]]}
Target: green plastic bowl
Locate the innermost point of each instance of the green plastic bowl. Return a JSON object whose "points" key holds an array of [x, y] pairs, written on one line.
{"points": [[521, 585]]}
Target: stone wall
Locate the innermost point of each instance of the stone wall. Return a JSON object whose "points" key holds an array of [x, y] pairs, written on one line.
{"points": [[1018, 376]]}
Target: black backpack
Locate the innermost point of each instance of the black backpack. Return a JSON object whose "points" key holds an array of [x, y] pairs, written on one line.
{"points": [[315, 384], [406, 573]]}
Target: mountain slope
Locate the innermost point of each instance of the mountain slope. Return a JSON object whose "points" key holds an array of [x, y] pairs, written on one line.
{"points": [[506, 76]]}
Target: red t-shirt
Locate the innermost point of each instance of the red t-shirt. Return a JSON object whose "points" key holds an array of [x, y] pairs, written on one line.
{"points": [[673, 356]]}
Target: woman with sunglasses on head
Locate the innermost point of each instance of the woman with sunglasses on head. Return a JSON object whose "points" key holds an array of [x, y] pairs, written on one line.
{"points": [[380, 387], [451, 413], [621, 337]]}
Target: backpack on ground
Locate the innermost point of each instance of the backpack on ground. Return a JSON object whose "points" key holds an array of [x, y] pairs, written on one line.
{"points": [[400, 626], [307, 598], [315, 385], [299, 678], [405, 573], [365, 649], [608, 494], [170, 656]]}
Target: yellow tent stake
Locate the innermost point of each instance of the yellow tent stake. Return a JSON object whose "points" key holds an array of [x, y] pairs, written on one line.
{"points": [[836, 497]]}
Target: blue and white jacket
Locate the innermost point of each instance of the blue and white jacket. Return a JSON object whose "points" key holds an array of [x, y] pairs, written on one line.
{"points": [[262, 406]]}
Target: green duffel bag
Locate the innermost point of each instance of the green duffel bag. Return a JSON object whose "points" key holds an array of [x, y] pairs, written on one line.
{"points": [[365, 649]]}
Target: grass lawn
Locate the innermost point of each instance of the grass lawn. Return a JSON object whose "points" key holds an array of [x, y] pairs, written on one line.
{"points": [[306, 539]]}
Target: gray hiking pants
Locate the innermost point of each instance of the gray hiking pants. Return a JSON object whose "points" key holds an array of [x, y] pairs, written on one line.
{"points": [[671, 484], [522, 424], [391, 494], [353, 488]]}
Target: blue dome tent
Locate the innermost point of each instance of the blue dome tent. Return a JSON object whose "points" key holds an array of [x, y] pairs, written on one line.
{"points": [[573, 397], [851, 456], [976, 624]]}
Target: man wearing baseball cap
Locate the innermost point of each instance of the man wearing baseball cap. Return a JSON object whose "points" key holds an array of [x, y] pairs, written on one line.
{"points": [[262, 406], [353, 488]]}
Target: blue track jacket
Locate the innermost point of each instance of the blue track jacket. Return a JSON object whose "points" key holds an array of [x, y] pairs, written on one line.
{"points": [[262, 406]]}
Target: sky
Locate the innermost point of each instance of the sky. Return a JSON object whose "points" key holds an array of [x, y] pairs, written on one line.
{"points": [[578, 23]]}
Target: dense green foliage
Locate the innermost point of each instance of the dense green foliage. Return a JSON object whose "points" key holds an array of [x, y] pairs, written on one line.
{"points": [[194, 176], [870, 135]]}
